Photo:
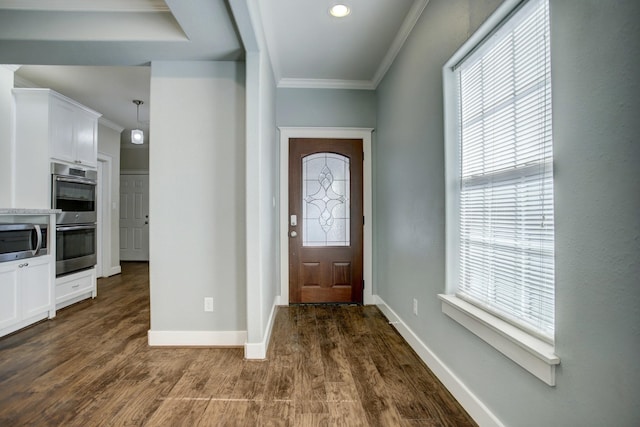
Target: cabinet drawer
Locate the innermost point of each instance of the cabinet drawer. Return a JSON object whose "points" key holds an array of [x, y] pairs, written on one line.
{"points": [[75, 286]]}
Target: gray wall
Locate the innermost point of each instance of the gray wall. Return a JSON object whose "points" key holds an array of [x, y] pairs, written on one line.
{"points": [[595, 63], [134, 158], [595, 98], [197, 196], [261, 189], [325, 108]]}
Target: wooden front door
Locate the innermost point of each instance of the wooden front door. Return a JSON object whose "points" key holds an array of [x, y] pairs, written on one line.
{"points": [[325, 220]]}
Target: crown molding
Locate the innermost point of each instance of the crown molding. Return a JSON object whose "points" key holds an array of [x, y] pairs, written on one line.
{"points": [[87, 6], [112, 125], [326, 84], [407, 26], [21, 82], [409, 22], [10, 67]]}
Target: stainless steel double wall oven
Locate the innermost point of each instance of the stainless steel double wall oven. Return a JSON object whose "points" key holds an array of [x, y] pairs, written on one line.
{"points": [[74, 192]]}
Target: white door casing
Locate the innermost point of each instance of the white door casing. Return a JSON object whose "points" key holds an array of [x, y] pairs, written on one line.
{"points": [[134, 217], [105, 207], [337, 133], [100, 234]]}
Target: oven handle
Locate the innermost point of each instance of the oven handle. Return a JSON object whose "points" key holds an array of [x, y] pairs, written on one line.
{"points": [[75, 180], [75, 227], [36, 228]]}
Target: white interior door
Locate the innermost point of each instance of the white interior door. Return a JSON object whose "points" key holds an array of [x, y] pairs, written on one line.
{"points": [[134, 217]]}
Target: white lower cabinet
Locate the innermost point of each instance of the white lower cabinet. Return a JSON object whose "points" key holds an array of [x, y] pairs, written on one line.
{"points": [[76, 287], [25, 293], [9, 299]]}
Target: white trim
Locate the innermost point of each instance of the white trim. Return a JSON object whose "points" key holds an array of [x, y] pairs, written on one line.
{"points": [[105, 214], [407, 26], [197, 338], [259, 350], [325, 84], [100, 232], [115, 270], [469, 401], [85, 6], [360, 133], [531, 353], [11, 67], [26, 322], [111, 125], [77, 298], [483, 31], [255, 351], [534, 355], [38, 90], [409, 22], [20, 82]]}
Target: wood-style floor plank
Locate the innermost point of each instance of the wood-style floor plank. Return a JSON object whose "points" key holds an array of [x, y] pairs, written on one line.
{"points": [[326, 365]]}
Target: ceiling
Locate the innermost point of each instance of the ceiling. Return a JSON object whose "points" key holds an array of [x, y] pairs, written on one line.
{"points": [[98, 52]]}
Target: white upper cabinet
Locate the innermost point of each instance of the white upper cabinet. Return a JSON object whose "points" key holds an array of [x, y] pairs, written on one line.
{"points": [[61, 130], [70, 129], [85, 139], [73, 132], [49, 127]]}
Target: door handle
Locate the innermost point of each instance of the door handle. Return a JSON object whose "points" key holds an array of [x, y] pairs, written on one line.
{"points": [[293, 234], [36, 229]]}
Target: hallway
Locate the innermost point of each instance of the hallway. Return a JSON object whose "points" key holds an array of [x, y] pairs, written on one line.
{"points": [[326, 365]]}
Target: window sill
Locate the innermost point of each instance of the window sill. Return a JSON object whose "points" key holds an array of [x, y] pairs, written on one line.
{"points": [[531, 353]]}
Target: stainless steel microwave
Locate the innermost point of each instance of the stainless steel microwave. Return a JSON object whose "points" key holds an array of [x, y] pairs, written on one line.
{"points": [[18, 241]]}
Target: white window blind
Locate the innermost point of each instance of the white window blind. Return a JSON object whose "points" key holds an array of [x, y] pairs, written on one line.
{"points": [[506, 243]]}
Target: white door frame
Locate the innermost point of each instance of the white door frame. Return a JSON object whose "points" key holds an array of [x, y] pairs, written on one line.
{"points": [[338, 133], [104, 240]]}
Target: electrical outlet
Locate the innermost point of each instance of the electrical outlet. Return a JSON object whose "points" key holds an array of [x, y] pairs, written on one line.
{"points": [[208, 304], [415, 306]]}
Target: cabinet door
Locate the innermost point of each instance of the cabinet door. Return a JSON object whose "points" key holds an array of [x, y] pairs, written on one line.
{"points": [[35, 283], [61, 130], [85, 138], [9, 303]]}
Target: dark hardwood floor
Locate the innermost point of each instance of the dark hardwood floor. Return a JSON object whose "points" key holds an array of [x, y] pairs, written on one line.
{"points": [[326, 365]]}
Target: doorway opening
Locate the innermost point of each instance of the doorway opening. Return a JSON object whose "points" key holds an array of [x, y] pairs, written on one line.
{"points": [[363, 134]]}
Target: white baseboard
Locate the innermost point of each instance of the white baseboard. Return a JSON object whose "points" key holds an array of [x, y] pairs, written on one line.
{"points": [[469, 401], [258, 351], [115, 270], [197, 338]]}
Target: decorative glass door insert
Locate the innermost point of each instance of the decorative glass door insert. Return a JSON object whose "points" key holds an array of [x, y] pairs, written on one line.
{"points": [[325, 220], [325, 200]]}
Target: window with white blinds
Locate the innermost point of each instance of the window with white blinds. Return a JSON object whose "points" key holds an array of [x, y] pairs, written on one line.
{"points": [[506, 228]]}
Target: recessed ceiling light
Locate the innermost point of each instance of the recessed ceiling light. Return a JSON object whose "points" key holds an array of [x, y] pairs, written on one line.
{"points": [[339, 10]]}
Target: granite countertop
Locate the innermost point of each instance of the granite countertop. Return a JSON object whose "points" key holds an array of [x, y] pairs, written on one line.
{"points": [[21, 211]]}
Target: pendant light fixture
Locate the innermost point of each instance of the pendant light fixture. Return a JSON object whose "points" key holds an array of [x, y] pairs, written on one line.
{"points": [[137, 135]]}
